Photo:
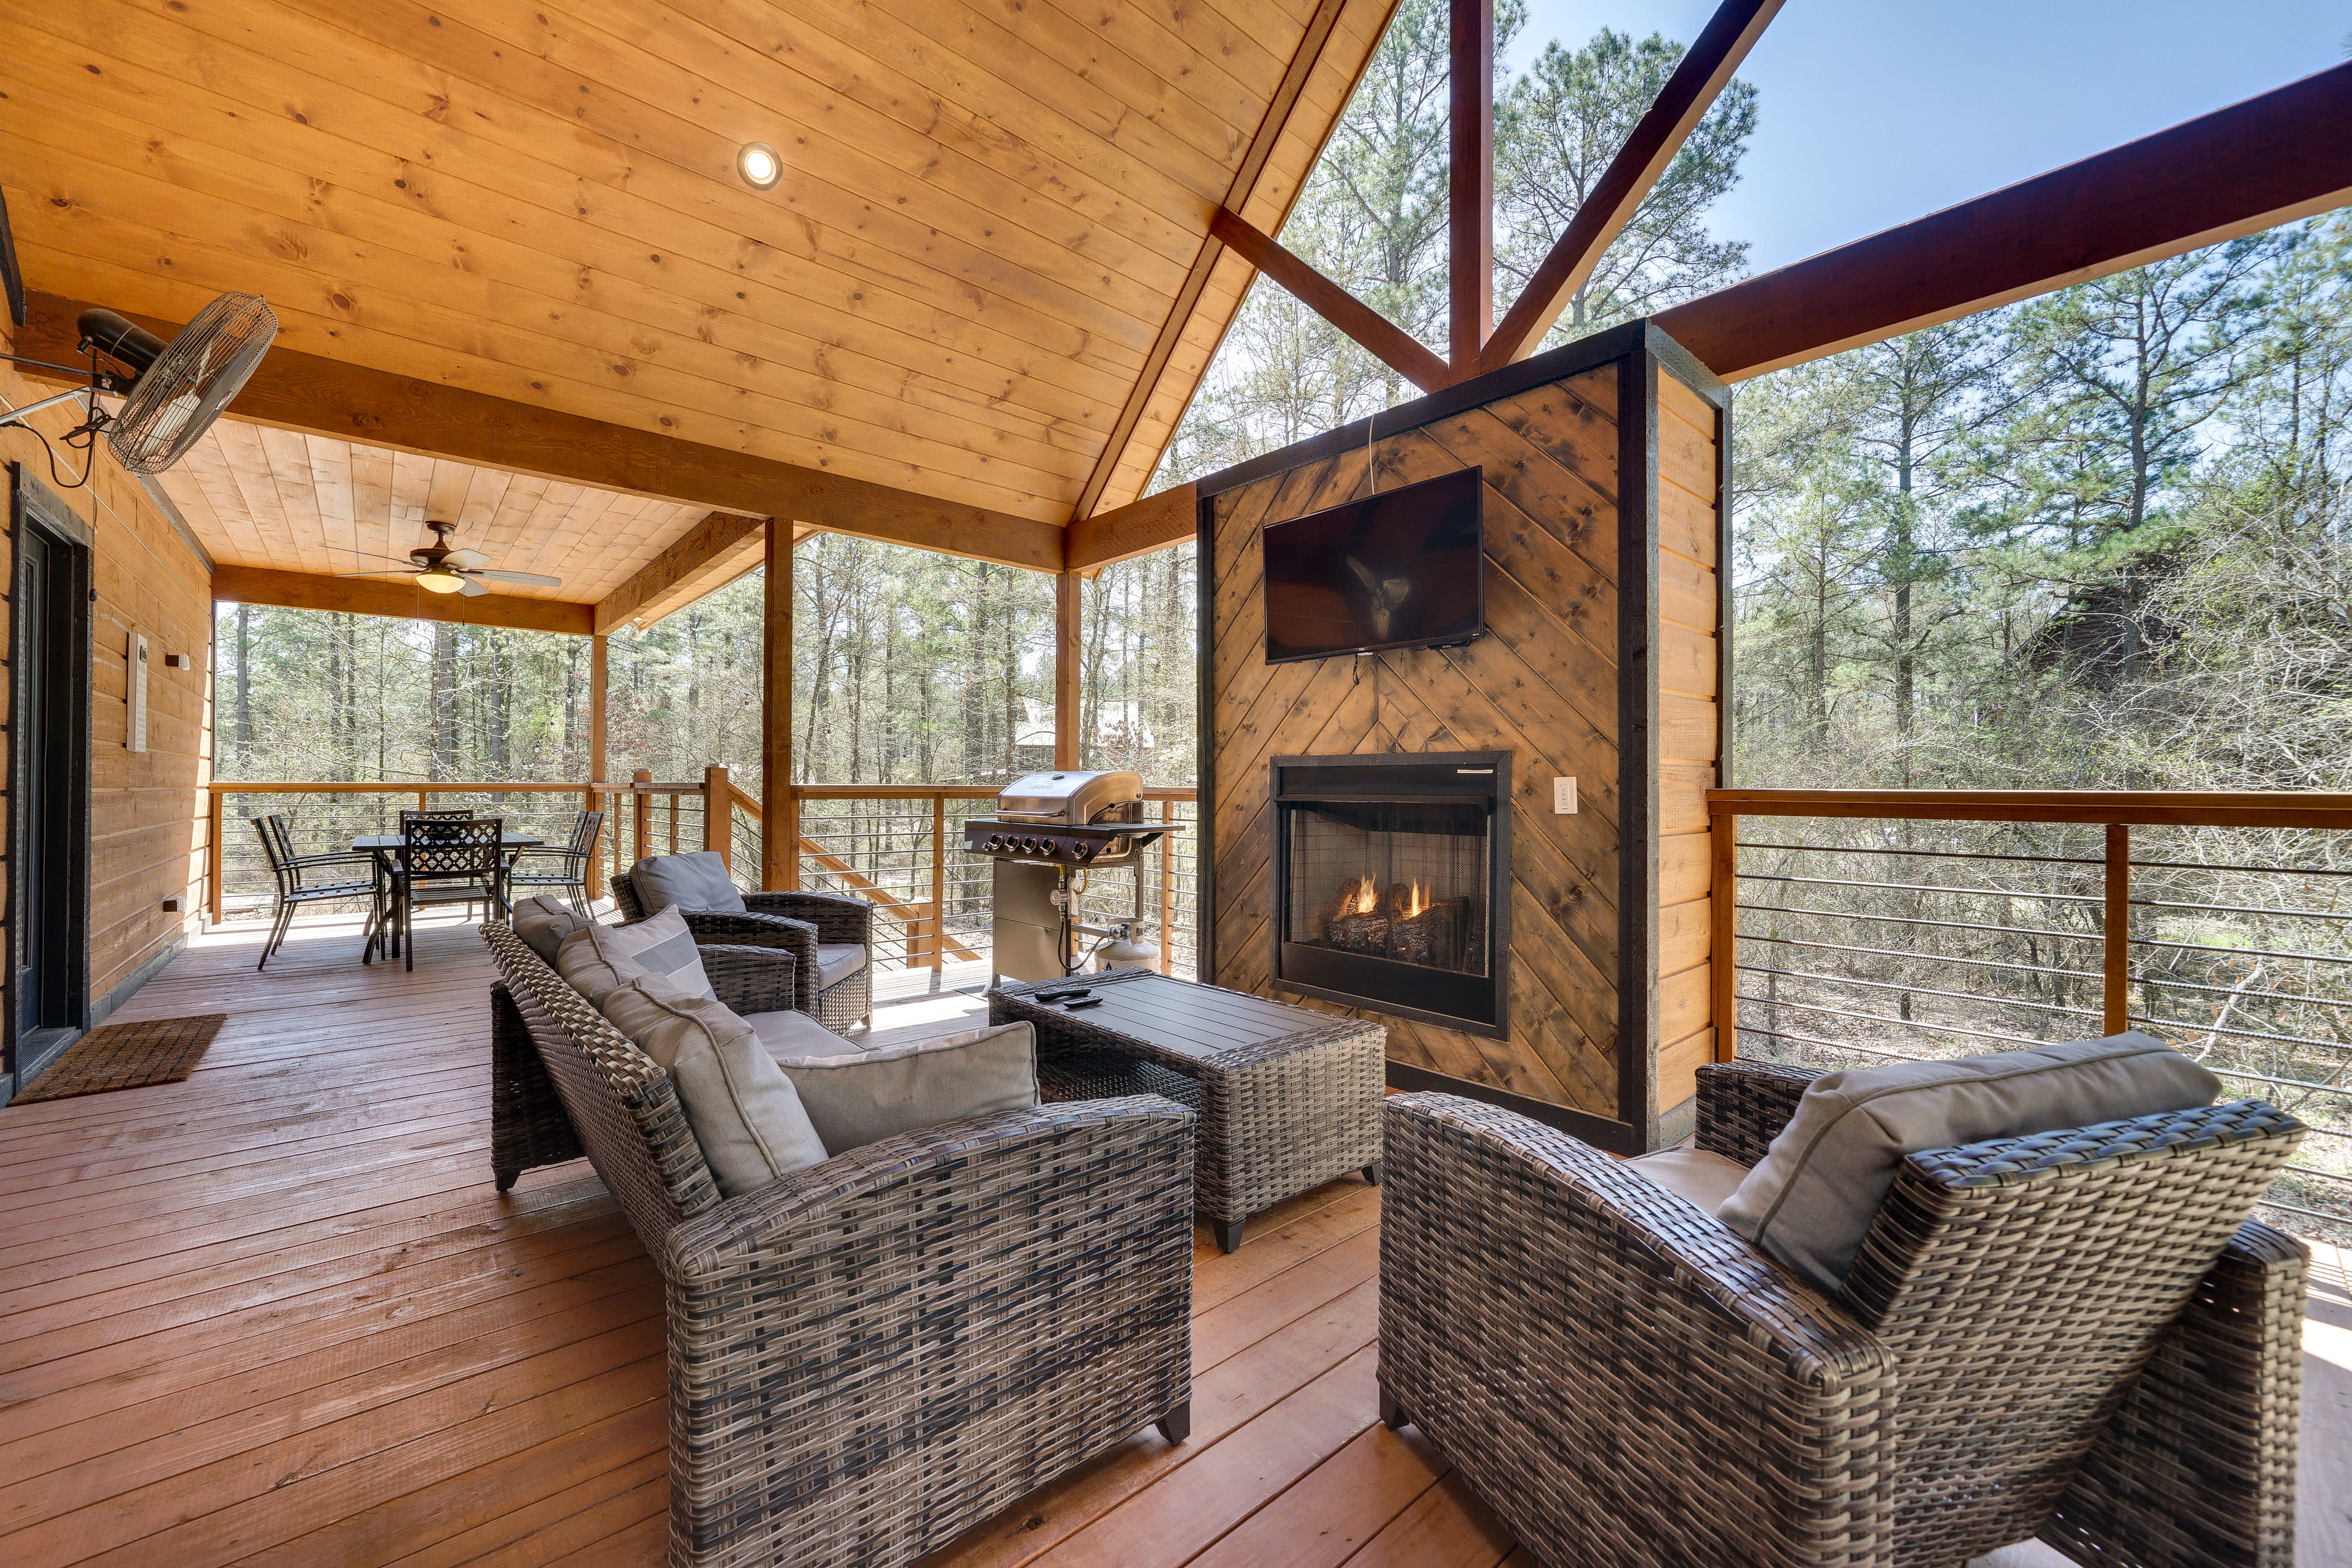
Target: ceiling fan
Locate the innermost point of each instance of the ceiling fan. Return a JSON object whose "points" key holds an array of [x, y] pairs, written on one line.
{"points": [[438, 569]]}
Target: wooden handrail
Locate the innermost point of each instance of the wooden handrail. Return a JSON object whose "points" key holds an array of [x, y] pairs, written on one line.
{"points": [[2280, 808], [2117, 810]]}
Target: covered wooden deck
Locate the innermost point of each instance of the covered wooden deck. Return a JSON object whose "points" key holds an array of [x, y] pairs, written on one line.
{"points": [[278, 1315]]}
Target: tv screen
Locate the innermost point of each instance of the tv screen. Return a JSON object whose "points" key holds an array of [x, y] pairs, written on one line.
{"points": [[1400, 569]]}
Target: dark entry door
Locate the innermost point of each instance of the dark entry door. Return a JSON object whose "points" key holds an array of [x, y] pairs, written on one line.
{"points": [[48, 771]]}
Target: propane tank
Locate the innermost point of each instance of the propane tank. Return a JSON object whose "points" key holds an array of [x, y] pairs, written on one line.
{"points": [[1124, 952]]}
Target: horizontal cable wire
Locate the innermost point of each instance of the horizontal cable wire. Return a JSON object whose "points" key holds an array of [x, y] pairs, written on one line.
{"points": [[1898, 1023], [2264, 870], [2240, 951], [1925, 957], [2234, 990], [1917, 990], [2231, 908], [1944, 925], [1922, 888], [1927, 854], [2194, 1027]]}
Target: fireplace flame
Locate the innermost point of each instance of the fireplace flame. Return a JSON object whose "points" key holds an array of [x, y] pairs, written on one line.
{"points": [[1415, 900], [1363, 900]]}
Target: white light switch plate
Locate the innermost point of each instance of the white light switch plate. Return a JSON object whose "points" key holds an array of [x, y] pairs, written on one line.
{"points": [[1563, 797]]}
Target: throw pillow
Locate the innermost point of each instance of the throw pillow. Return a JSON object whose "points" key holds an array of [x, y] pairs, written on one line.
{"points": [[591, 968], [662, 945], [1809, 1201], [862, 1097], [543, 923], [744, 1111], [696, 882]]}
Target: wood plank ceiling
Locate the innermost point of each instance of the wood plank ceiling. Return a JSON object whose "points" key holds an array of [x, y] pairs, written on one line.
{"points": [[987, 217], [293, 502]]}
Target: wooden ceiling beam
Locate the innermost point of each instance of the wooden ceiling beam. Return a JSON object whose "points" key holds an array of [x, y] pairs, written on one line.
{"points": [[2270, 160], [1378, 336], [1470, 180], [692, 566], [373, 596], [297, 391], [1270, 127], [1139, 528], [1705, 71]]}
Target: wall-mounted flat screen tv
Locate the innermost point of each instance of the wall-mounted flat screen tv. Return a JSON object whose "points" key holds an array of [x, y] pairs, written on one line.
{"points": [[1399, 569]]}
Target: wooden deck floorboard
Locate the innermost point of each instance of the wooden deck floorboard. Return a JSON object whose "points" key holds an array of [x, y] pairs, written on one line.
{"points": [[277, 1315]]}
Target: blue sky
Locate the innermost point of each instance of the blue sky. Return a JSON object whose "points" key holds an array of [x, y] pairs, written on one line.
{"points": [[1874, 113]]}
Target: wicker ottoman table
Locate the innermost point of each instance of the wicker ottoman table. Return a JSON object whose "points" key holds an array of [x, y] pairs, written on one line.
{"points": [[1288, 1099]]}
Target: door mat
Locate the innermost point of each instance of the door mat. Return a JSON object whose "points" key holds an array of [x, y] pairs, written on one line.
{"points": [[127, 1055]]}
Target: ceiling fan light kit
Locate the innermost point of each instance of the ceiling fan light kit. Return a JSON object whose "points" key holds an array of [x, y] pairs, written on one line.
{"points": [[438, 569]]}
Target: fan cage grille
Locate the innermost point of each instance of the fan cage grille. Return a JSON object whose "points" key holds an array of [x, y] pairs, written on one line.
{"points": [[203, 366]]}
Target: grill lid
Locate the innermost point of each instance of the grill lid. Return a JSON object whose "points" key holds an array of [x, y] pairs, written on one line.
{"points": [[1073, 799]]}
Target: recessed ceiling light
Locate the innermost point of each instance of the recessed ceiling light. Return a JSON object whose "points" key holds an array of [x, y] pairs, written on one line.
{"points": [[759, 165]]}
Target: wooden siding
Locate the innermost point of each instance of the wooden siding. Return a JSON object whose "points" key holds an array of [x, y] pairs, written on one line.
{"points": [[1542, 686], [1690, 730], [148, 814]]}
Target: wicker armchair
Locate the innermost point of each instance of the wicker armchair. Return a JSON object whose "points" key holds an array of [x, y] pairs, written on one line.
{"points": [[2071, 1335], [871, 1355], [800, 922]]}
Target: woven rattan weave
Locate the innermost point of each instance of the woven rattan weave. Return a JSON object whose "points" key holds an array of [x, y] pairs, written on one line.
{"points": [[871, 1355], [797, 922], [1289, 1099], [1628, 1382]]}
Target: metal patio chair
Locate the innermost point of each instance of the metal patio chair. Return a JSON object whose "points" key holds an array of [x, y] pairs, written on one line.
{"points": [[446, 861], [574, 859], [294, 874]]}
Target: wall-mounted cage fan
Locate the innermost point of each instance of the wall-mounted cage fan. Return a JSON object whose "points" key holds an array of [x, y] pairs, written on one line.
{"points": [[172, 391], [438, 569]]}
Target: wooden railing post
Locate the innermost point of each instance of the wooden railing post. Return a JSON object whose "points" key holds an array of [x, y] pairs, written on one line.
{"points": [[2118, 937], [717, 816], [674, 798], [641, 827], [1723, 931], [939, 882], [1167, 888], [213, 854]]}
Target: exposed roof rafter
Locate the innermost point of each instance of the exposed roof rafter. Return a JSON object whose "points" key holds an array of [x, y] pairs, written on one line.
{"points": [[1378, 336]]}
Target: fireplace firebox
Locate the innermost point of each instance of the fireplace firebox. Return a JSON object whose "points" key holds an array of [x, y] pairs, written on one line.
{"points": [[1392, 884]]}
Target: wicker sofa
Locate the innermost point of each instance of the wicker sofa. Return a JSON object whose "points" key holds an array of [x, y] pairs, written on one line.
{"points": [[868, 1356], [799, 923], [2071, 1335]]}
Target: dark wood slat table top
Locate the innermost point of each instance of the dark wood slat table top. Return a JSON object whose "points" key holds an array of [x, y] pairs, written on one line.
{"points": [[1179, 1016]]}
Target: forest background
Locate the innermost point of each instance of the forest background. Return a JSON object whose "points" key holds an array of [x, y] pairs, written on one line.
{"points": [[2098, 539]]}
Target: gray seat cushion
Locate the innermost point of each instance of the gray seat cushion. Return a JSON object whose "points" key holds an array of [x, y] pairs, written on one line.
{"points": [[792, 1036], [745, 1113], [1811, 1199], [858, 1098], [837, 961], [696, 882], [543, 923], [1703, 1178]]}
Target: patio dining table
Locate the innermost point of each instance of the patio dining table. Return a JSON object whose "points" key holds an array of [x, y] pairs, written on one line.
{"points": [[383, 845]]}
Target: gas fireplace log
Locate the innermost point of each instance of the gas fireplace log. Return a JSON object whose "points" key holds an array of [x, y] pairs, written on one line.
{"points": [[1359, 933]]}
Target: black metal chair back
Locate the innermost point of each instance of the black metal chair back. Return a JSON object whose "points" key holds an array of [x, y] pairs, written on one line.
{"points": [[456, 814], [585, 832], [443, 847]]}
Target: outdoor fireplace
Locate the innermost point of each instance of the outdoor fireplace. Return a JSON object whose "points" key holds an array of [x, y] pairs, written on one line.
{"points": [[1392, 881]]}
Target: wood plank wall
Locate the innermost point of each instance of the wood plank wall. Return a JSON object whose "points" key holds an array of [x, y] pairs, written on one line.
{"points": [[1541, 686], [149, 820], [1690, 730], [1544, 686]]}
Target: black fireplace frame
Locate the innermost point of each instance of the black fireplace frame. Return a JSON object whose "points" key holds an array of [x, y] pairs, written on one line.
{"points": [[1309, 971]]}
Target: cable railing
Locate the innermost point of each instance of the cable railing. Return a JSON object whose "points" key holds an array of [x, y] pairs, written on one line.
{"points": [[1910, 925], [898, 847]]}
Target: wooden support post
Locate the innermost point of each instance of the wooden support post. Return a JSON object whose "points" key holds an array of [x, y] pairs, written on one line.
{"points": [[938, 882], [597, 677], [1167, 888], [674, 798], [1470, 190], [2117, 941], [1723, 934], [717, 816], [1067, 696], [642, 839], [213, 854], [780, 817]]}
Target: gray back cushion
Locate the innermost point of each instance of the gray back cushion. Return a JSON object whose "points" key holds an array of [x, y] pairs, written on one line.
{"points": [[543, 923], [744, 1111], [596, 958], [696, 882], [1811, 1199], [862, 1097]]}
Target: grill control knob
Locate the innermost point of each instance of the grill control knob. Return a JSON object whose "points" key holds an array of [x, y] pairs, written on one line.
{"points": [[995, 841], [1083, 851]]}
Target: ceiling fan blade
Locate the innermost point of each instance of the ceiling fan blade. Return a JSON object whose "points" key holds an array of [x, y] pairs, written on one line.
{"points": [[472, 589], [530, 579], [410, 572], [464, 559]]}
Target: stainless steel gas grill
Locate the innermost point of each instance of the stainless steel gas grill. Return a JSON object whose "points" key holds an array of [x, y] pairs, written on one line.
{"points": [[1047, 826]]}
